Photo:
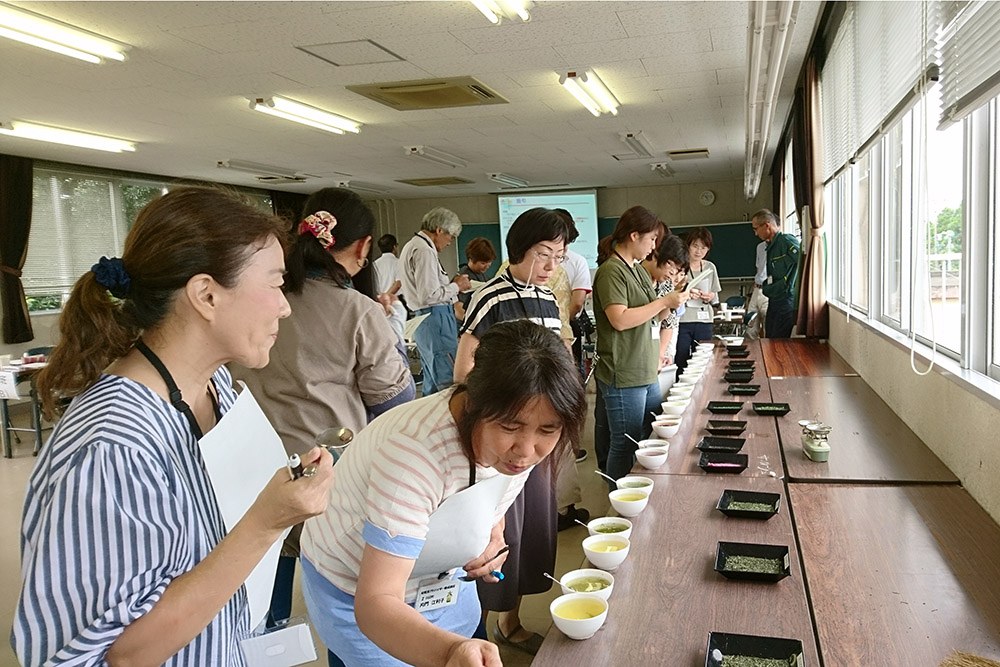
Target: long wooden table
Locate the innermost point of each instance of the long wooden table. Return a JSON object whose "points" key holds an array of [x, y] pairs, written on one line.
{"points": [[899, 575], [667, 596], [869, 442], [761, 446], [785, 357]]}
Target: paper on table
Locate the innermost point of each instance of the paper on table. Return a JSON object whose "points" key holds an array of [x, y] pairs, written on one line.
{"points": [[241, 455], [411, 327]]}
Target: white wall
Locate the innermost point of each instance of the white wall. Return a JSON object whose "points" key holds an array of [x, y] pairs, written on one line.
{"points": [[958, 425]]}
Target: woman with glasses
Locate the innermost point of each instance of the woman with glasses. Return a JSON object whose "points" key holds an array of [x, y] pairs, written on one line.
{"points": [[696, 322], [627, 310], [666, 267], [536, 246]]}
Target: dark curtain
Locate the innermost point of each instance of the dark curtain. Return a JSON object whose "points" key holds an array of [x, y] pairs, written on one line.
{"points": [[813, 318], [288, 205], [777, 176], [15, 223]]}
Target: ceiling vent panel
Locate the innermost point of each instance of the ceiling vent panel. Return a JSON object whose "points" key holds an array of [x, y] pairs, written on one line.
{"points": [[463, 91], [436, 181], [688, 154]]}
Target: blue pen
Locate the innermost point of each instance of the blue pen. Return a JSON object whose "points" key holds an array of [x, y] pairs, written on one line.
{"points": [[498, 574]]}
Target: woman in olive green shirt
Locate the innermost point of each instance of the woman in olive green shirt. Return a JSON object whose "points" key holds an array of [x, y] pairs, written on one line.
{"points": [[626, 309]]}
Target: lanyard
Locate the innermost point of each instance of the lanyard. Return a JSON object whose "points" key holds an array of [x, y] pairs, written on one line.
{"points": [[646, 288], [520, 300], [175, 394], [434, 248]]}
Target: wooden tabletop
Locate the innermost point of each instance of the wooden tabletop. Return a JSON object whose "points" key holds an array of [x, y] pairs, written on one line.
{"points": [[785, 357], [667, 596], [761, 436], [868, 443], [899, 575]]}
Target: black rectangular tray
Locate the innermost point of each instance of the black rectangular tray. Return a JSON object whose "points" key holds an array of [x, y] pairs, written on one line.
{"points": [[723, 644], [738, 376], [771, 409], [725, 407], [726, 427], [738, 354], [716, 444], [736, 348], [744, 389], [737, 364], [771, 551], [729, 496], [720, 462]]}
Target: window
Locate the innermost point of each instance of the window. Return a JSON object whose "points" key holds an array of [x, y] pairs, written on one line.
{"points": [[838, 200], [937, 296], [860, 237], [896, 223], [76, 218], [994, 291]]}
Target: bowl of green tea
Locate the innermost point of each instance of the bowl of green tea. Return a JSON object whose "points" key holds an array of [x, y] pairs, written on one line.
{"points": [[589, 581], [635, 482], [579, 615], [610, 525], [606, 551]]}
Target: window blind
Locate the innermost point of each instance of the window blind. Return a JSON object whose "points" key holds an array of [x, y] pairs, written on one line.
{"points": [[970, 60]]}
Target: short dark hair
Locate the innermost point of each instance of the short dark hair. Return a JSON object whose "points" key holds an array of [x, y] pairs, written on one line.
{"points": [[699, 234], [387, 242], [671, 249], [534, 226], [480, 249], [515, 362], [574, 233]]}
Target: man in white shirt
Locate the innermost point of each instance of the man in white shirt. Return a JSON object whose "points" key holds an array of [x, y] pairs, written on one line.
{"points": [[387, 282], [429, 292]]}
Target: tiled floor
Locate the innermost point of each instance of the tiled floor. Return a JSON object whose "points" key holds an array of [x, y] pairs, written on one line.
{"points": [[534, 611]]}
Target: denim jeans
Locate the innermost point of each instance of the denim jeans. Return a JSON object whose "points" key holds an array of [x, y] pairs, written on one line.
{"points": [[437, 343], [629, 410]]}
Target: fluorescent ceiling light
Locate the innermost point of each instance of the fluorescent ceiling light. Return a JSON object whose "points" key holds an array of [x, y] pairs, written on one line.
{"points": [[434, 155], [297, 112], [508, 180], [662, 169], [497, 10], [257, 168], [768, 47], [637, 143], [590, 91], [37, 30], [58, 135], [358, 186]]}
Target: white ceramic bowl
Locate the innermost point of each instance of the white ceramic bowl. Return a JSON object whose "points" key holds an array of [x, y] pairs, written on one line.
{"points": [[592, 607], [684, 391], [706, 346], [621, 500], [687, 381], [675, 406], [595, 524], [664, 428], [650, 458], [606, 560], [576, 575], [637, 482]]}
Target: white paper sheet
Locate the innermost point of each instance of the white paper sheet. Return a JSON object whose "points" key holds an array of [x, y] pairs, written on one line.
{"points": [[411, 327], [241, 454]]}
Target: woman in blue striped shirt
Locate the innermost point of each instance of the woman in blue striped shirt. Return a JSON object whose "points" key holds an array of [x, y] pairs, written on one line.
{"points": [[125, 556]]}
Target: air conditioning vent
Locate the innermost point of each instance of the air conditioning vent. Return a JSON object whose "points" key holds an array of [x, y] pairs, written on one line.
{"points": [[688, 154], [463, 91], [437, 181]]}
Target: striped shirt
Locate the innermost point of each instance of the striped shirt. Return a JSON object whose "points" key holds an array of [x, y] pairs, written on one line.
{"points": [[395, 474], [503, 299], [118, 506]]}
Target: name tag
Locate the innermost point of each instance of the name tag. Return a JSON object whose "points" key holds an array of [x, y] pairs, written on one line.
{"points": [[656, 330], [436, 594], [770, 280], [704, 315]]}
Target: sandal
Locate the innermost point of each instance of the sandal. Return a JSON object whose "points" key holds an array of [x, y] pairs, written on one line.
{"points": [[529, 645]]}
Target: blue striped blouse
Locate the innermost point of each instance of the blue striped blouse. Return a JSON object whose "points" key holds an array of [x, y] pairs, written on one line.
{"points": [[119, 504]]}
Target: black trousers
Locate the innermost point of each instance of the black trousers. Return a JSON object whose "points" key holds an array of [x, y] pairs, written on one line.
{"points": [[780, 317]]}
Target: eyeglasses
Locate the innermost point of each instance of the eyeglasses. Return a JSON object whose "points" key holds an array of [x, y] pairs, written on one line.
{"points": [[545, 257]]}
